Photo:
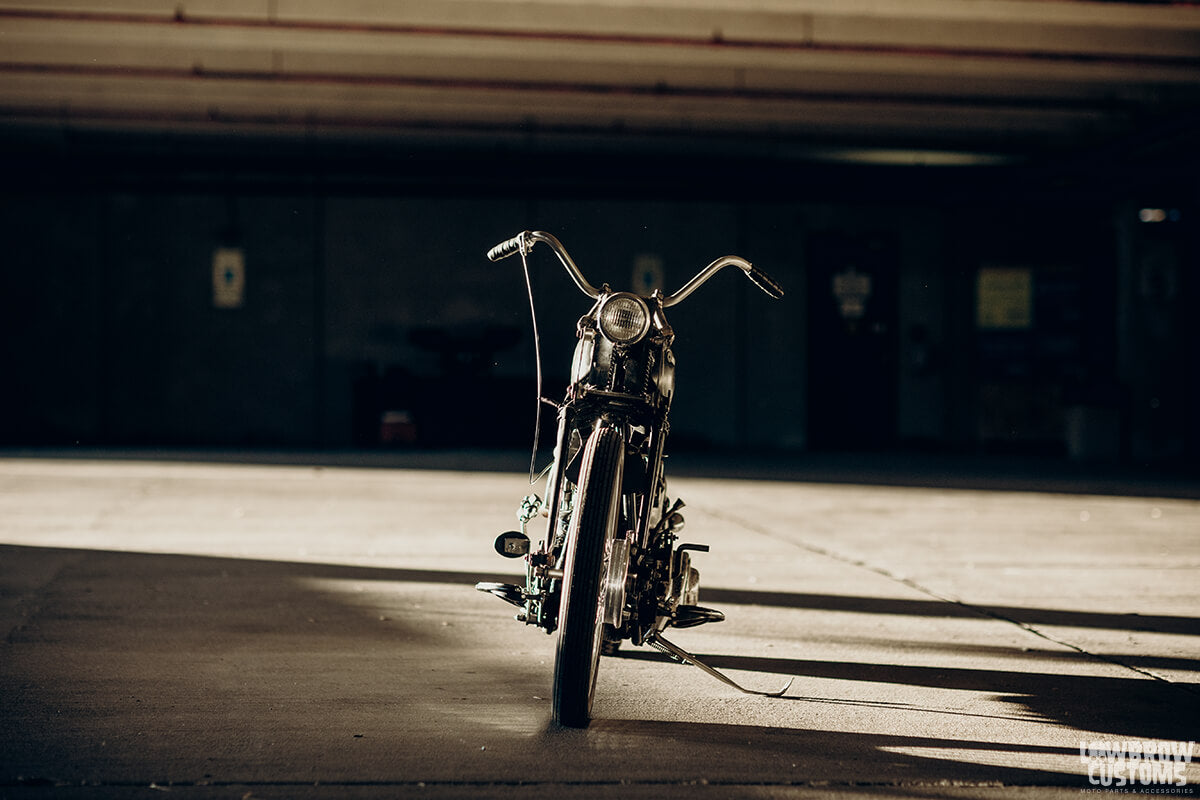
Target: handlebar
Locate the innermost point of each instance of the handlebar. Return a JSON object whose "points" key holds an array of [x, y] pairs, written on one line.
{"points": [[523, 243], [507, 248], [760, 279]]}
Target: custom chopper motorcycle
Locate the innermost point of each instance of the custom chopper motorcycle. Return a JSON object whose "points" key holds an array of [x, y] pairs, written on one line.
{"points": [[608, 566]]}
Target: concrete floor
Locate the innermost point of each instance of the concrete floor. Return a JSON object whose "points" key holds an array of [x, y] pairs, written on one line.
{"points": [[295, 630]]}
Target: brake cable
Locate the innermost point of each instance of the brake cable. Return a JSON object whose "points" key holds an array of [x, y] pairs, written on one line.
{"points": [[537, 356]]}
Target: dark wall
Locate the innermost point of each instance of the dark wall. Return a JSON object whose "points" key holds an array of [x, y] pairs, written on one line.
{"points": [[367, 292], [114, 336]]}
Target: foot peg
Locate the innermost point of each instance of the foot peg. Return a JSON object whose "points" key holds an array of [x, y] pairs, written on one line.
{"points": [[691, 616], [508, 592]]}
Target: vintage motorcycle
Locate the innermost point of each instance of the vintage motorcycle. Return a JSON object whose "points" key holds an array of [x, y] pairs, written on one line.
{"points": [[608, 567]]}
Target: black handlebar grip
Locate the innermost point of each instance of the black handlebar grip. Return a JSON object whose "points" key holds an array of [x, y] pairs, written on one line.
{"points": [[507, 248], [765, 282]]}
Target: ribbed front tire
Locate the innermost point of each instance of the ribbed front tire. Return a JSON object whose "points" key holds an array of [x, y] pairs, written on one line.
{"points": [[581, 616]]}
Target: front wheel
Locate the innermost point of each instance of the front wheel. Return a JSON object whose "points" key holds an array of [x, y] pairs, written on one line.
{"points": [[581, 616]]}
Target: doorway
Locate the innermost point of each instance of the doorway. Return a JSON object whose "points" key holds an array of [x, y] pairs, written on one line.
{"points": [[853, 311]]}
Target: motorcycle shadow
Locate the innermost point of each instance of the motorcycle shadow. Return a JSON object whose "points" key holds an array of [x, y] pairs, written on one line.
{"points": [[1119, 706]]}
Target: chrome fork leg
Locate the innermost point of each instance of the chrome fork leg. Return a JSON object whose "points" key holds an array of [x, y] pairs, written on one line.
{"points": [[657, 641]]}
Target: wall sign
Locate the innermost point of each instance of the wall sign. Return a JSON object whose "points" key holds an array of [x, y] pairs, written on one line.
{"points": [[647, 273], [852, 290], [1004, 299], [228, 277]]}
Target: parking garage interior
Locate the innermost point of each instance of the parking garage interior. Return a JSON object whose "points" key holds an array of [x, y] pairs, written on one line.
{"points": [[263, 225]]}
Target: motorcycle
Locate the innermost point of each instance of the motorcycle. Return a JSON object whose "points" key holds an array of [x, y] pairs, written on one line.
{"points": [[609, 566]]}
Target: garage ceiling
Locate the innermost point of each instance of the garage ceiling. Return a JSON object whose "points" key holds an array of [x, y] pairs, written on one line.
{"points": [[922, 80]]}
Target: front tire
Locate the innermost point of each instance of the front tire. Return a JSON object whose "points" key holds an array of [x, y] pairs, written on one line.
{"points": [[581, 615]]}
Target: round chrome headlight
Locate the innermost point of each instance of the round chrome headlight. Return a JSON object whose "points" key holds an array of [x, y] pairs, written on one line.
{"points": [[624, 318]]}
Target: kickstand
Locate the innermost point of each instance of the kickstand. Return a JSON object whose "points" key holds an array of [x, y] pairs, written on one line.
{"points": [[657, 641]]}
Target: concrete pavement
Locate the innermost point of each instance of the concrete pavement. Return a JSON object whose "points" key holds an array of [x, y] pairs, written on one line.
{"points": [[274, 630]]}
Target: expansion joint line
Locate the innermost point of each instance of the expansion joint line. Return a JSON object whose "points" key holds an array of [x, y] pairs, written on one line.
{"points": [[982, 611]]}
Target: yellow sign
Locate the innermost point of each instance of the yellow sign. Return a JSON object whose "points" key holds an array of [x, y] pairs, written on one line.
{"points": [[229, 277], [1004, 299]]}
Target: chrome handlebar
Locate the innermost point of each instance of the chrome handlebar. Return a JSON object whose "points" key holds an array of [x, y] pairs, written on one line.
{"points": [[524, 242], [761, 279]]}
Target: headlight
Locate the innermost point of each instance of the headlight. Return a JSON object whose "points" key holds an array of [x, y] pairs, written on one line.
{"points": [[624, 318]]}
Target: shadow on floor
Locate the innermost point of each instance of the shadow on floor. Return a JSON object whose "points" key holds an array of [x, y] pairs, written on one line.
{"points": [[127, 667]]}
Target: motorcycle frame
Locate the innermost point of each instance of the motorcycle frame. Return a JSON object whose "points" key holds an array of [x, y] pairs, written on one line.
{"points": [[585, 407]]}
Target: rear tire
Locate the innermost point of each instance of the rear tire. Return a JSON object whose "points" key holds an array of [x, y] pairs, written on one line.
{"points": [[581, 616]]}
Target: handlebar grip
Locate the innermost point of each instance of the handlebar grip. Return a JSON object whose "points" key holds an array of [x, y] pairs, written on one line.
{"points": [[507, 248], [765, 282]]}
